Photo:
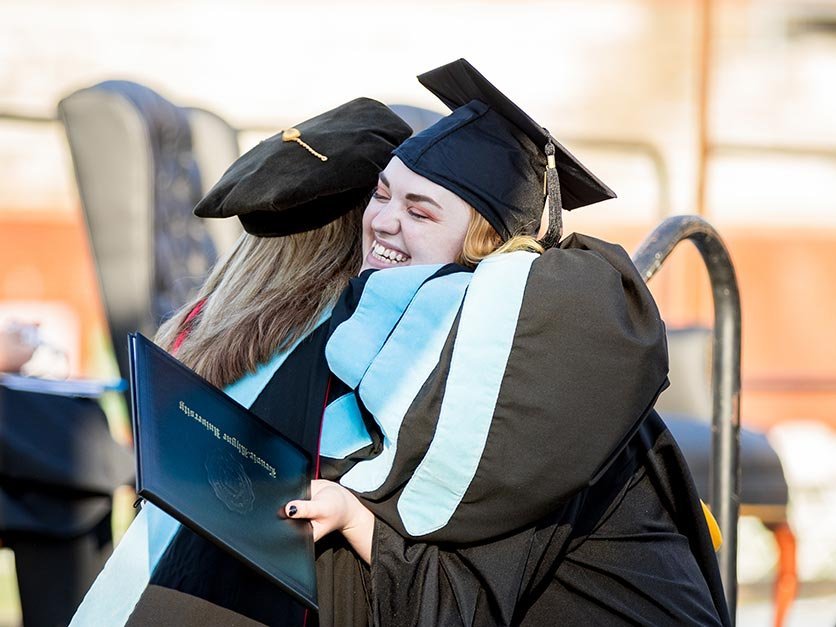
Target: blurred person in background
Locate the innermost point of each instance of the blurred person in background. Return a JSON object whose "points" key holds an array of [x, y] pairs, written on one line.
{"points": [[58, 469]]}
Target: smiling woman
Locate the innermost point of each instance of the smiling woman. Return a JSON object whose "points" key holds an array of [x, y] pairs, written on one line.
{"points": [[490, 449], [410, 221]]}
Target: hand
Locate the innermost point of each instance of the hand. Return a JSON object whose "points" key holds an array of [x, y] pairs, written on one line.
{"points": [[334, 508], [331, 508], [17, 345]]}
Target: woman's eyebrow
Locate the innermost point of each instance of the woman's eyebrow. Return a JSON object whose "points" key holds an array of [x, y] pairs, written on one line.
{"points": [[411, 197], [422, 198]]}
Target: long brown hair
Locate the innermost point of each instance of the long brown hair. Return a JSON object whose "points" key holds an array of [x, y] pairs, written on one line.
{"points": [[263, 296]]}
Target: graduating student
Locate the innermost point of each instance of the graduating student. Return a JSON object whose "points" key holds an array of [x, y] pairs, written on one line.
{"points": [[257, 328], [491, 450]]}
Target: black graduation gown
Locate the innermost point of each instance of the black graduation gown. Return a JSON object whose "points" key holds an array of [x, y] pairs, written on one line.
{"points": [[59, 466], [581, 509], [581, 516]]}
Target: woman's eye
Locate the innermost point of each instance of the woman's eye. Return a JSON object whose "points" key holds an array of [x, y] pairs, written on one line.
{"points": [[417, 215], [379, 195]]}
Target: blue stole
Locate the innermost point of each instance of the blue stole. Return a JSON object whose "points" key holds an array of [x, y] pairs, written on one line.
{"points": [[388, 349]]}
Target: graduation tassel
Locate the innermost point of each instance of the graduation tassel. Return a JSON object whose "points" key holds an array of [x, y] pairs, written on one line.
{"points": [[555, 230], [293, 135]]}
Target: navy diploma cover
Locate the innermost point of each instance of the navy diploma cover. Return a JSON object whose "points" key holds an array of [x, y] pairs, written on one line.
{"points": [[219, 469]]}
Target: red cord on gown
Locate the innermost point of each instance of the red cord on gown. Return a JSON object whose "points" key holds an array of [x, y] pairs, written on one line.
{"points": [[184, 332]]}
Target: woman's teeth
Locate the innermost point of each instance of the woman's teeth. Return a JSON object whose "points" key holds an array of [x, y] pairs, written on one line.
{"points": [[379, 251]]}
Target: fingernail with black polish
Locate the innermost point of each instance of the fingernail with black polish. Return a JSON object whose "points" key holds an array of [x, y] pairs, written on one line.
{"points": [[291, 511]]}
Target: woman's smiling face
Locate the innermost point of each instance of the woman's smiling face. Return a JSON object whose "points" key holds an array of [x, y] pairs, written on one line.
{"points": [[410, 221]]}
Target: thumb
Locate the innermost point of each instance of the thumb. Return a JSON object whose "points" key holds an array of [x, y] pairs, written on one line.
{"points": [[300, 510]]}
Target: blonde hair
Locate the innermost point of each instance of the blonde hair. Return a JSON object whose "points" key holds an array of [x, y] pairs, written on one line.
{"points": [[267, 293], [481, 240]]}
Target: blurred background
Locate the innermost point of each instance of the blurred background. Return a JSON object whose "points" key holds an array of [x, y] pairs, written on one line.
{"points": [[722, 108]]}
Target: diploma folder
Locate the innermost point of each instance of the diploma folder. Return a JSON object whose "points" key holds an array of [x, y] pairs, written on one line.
{"points": [[219, 469]]}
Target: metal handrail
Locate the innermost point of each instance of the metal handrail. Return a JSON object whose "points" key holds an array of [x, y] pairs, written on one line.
{"points": [[724, 473]]}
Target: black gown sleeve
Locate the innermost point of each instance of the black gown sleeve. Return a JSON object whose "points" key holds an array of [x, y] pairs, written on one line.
{"points": [[414, 583], [585, 363], [633, 548], [488, 583]]}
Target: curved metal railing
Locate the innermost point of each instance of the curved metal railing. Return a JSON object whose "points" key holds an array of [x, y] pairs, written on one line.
{"points": [[724, 478]]}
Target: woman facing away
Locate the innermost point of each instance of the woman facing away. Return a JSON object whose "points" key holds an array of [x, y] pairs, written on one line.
{"points": [[257, 329], [490, 449]]}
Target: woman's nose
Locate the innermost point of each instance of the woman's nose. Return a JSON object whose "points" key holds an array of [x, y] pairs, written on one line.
{"points": [[386, 220]]}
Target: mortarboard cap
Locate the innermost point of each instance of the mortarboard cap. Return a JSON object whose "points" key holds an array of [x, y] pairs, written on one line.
{"points": [[493, 155], [309, 175]]}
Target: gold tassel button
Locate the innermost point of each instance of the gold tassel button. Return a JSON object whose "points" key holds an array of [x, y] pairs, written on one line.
{"points": [[293, 135]]}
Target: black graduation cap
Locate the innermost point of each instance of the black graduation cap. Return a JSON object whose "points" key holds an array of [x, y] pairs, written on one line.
{"points": [[494, 156], [308, 175]]}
